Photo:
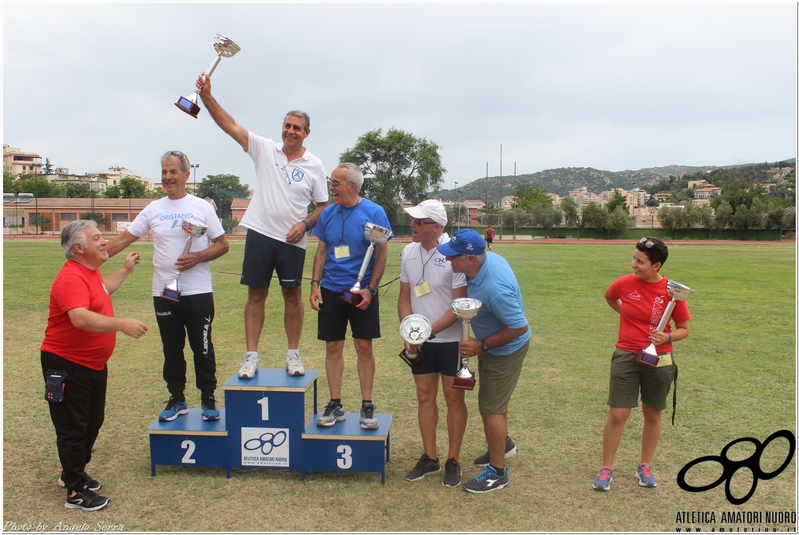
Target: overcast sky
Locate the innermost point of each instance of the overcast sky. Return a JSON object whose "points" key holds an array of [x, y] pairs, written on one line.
{"points": [[610, 86]]}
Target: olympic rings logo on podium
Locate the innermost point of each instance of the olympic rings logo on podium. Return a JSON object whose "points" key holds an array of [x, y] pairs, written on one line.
{"points": [[731, 467], [268, 439]]}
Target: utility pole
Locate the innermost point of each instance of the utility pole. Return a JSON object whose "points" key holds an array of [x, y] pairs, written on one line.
{"points": [[500, 191], [485, 210]]}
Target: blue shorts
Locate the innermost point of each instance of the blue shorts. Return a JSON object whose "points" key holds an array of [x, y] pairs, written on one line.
{"points": [[264, 255], [440, 358], [335, 313]]}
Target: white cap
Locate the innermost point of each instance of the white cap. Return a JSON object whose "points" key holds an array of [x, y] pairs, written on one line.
{"points": [[430, 208]]}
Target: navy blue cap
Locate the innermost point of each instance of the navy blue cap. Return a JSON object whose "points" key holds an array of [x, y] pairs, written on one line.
{"points": [[464, 241]]}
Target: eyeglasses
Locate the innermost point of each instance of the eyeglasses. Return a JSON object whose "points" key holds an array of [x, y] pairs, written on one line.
{"points": [[335, 183], [420, 222], [646, 243]]}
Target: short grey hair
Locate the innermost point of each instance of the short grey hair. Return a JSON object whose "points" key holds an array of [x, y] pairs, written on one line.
{"points": [[354, 174], [73, 234], [302, 115], [185, 166]]}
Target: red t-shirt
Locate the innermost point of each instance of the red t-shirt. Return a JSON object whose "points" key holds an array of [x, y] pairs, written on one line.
{"points": [[77, 286], [489, 233], [643, 305]]}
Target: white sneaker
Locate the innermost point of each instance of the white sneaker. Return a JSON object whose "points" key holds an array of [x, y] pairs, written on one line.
{"points": [[294, 365], [249, 368]]}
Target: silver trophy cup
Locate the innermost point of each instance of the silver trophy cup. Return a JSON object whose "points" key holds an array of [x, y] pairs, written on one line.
{"points": [[678, 292], [375, 234], [414, 329], [194, 229], [225, 48], [465, 309]]}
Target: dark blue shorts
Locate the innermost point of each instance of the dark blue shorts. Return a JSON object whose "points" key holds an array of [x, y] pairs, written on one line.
{"points": [[438, 358], [335, 313], [264, 255]]}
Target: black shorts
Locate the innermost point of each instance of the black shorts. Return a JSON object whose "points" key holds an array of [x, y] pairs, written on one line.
{"points": [[335, 313], [438, 358], [264, 255], [489, 240]]}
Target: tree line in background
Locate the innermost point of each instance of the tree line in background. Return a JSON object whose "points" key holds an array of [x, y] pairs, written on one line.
{"points": [[399, 167]]}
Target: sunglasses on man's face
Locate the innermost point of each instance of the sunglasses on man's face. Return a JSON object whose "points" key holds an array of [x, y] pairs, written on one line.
{"points": [[420, 222]]}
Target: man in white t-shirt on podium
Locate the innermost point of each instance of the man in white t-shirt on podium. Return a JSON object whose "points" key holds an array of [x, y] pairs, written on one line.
{"points": [[287, 178]]}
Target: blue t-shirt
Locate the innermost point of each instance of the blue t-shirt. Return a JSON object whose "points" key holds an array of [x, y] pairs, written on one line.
{"points": [[342, 226], [502, 303]]}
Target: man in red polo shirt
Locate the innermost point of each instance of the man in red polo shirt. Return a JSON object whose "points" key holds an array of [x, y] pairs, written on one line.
{"points": [[80, 337]]}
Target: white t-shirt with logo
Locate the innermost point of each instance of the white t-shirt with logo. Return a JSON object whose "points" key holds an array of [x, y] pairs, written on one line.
{"points": [[282, 190], [164, 218], [418, 266]]}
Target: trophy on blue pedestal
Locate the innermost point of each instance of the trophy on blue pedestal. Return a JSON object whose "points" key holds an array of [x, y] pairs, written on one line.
{"points": [[194, 229], [225, 48], [465, 309]]}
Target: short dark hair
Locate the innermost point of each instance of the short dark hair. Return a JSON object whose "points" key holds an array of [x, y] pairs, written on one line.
{"points": [[654, 249]]}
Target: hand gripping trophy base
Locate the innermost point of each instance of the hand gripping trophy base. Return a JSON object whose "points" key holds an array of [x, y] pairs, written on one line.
{"points": [[679, 292], [465, 309], [194, 229], [414, 329]]}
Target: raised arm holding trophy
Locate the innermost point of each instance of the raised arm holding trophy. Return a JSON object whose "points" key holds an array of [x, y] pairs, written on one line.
{"points": [[287, 178]]}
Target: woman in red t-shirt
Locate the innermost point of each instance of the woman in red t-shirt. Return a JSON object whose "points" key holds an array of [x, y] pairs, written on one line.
{"points": [[640, 299]]}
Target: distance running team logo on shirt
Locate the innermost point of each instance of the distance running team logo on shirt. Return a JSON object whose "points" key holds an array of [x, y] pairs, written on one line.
{"points": [[297, 175]]}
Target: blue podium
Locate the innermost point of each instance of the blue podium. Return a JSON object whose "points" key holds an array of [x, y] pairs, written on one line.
{"points": [[263, 425]]}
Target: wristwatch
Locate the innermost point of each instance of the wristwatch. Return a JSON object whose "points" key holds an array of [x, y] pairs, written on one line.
{"points": [[373, 290], [484, 345]]}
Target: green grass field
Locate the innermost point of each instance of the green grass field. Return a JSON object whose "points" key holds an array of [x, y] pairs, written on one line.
{"points": [[737, 379]]}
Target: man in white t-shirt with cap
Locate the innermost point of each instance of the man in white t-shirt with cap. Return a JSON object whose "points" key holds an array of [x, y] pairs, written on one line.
{"points": [[427, 287]]}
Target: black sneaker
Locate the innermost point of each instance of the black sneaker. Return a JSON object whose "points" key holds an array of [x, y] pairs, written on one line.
{"points": [[85, 499], [424, 467], [91, 484], [510, 451], [452, 473], [208, 405]]}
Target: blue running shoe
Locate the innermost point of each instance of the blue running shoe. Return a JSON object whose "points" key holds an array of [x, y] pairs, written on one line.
{"points": [[603, 479], [487, 481], [174, 408], [645, 477]]}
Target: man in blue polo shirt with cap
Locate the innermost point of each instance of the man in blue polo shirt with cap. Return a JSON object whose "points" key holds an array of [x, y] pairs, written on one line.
{"points": [[502, 339]]}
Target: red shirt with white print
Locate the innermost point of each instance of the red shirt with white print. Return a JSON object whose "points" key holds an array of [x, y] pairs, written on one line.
{"points": [[643, 305]]}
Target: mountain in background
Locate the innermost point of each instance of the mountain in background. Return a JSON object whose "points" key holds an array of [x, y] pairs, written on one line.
{"points": [[565, 179]]}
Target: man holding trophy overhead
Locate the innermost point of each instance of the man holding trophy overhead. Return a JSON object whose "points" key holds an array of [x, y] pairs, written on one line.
{"points": [[501, 344], [287, 178], [344, 287], [183, 301], [427, 287]]}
